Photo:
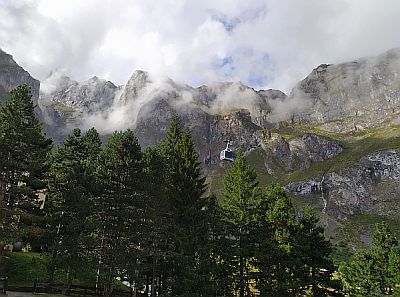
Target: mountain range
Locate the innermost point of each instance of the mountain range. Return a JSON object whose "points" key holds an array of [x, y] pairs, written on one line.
{"points": [[333, 142]]}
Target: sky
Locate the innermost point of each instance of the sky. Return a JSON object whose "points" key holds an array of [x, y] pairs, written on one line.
{"points": [[263, 43]]}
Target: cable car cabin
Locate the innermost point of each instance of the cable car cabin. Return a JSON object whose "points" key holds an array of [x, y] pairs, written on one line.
{"points": [[227, 155]]}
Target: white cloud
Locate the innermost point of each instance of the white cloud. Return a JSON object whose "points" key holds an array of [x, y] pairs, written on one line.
{"points": [[264, 43]]}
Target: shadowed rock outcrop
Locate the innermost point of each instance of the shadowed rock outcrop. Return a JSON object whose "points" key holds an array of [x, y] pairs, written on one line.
{"points": [[12, 75]]}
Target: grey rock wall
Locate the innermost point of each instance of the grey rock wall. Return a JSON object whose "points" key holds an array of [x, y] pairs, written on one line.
{"points": [[370, 186], [353, 95]]}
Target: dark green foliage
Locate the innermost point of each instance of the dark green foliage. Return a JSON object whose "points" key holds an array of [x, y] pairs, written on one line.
{"points": [[312, 253], [24, 268], [23, 163], [393, 269], [156, 231], [275, 235], [241, 194], [185, 215], [259, 245], [383, 241], [119, 207], [70, 190], [360, 275], [374, 271]]}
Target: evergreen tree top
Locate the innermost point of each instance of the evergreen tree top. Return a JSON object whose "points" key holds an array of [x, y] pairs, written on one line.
{"points": [[241, 191], [383, 237]]}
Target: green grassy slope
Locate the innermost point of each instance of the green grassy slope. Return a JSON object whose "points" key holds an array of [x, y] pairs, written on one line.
{"points": [[24, 268], [356, 146]]}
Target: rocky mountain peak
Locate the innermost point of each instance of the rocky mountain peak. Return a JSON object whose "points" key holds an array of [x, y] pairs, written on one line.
{"points": [[138, 81], [6, 59], [94, 79], [92, 95], [12, 75], [140, 76]]}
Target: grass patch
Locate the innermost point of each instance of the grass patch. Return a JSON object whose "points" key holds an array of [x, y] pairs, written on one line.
{"points": [[340, 255], [361, 220], [24, 268], [61, 107], [313, 200], [300, 130]]}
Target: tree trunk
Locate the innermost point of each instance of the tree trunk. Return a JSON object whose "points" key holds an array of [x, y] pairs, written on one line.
{"points": [[241, 274], [241, 266], [51, 267], [99, 262], [147, 285], [97, 277], [2, 246], [135, 290], [108, 288], [153, 278], [313, 282], [160, 277], [68, 283]]}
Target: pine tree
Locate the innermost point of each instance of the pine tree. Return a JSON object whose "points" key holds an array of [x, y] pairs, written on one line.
{"points": [[119, 208], [71, 187], [223, 265], [394, 269], [371, 271], [156, 227], [241, 194], [312, 253], [383, 241], [274, 236], [23, 162], [360, 275], [186, 214]]}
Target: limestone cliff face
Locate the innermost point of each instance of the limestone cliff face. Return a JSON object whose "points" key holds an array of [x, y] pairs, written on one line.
{"points": [[370, 186], [353, 95], [285, 156], [89, 96], [12, 75]]}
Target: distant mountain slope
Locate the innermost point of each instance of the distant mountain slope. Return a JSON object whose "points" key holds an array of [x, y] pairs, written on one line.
{"points": [[353, 95], [12, 75]]}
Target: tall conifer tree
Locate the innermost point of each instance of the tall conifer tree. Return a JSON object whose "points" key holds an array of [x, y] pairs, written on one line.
{"points": [[68, 206], [186, 214], [371, 271], [241, 193], [24, 151], [274, 235], [119, 209], [313, 253]]}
